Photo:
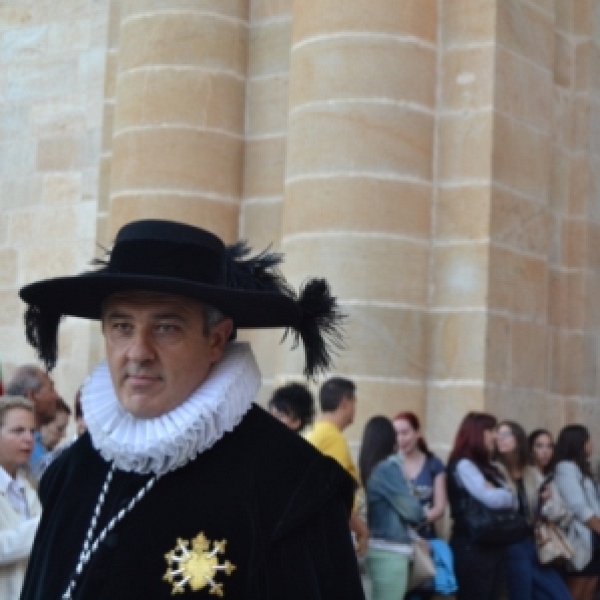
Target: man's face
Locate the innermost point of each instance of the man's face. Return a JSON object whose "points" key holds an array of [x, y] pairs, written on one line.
{"points": [[158, 350], [349, 403], [53, 432], [44, 399]]}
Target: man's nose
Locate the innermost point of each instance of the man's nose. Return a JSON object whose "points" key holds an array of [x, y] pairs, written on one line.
{"points": [[140, 347]]}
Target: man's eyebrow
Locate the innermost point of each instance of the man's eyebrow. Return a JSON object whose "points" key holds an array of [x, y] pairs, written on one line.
{"points": [[116, 314]]}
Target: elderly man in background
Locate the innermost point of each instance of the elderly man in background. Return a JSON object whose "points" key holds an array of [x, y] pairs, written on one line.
{"points": [[33, 383], [182, 485]]}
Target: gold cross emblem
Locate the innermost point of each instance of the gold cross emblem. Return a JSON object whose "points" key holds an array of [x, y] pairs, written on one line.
{"points": [[197, 566]]}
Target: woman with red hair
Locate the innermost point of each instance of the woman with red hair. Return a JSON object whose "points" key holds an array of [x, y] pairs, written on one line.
{"points": [[424, 471], [480, 568]]}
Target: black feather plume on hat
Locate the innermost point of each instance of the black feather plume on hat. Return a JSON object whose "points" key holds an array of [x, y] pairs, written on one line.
{"points": [[41, 330], [321, 326], [259, 273]]}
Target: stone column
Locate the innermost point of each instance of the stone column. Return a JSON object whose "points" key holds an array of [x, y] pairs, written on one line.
{"points": [[179, 115], [359, 182]]}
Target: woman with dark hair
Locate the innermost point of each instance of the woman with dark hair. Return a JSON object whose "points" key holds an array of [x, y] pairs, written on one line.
{"points": [[391, 510], [574, 481], [527, 578], [541, 449], [480, 568], [424, 471], [293, 405]]}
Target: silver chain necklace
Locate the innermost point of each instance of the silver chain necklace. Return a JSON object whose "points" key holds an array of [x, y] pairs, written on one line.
{"points": [[90, 545]]}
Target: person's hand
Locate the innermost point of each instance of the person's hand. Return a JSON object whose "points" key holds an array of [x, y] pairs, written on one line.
{"points": [[545, 493], [361, 534]]}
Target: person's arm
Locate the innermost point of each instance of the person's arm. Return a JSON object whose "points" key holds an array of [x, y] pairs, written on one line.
{"points": [[569, 481], [475, 483], [16, 543], [440, 498], [361, 533], [391, 484]]}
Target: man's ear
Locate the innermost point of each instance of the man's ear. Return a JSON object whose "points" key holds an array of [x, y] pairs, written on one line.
{"points": [[219, 336]]}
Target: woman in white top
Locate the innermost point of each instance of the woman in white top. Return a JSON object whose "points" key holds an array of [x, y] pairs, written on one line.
{"points": [[574, 481], [19, 506]]}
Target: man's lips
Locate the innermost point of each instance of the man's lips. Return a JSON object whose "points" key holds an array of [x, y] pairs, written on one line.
{"points": [[138, 380]]}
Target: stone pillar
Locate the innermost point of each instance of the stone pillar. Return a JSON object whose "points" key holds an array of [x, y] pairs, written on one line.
{"points": [[179, 115], [358, 185]]}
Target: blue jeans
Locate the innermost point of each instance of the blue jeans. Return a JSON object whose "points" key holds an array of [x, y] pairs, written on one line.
{"points": [[528, 579]]}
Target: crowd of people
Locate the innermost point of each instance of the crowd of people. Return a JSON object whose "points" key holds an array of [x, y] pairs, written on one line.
{"points": [[173, 453], [408, 490]]}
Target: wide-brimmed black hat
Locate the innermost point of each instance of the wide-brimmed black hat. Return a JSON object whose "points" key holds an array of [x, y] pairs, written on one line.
{"points": [[180, 259]]}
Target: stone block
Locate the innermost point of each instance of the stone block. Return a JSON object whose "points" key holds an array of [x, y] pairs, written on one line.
{"points": [[264, 167], [518, 222], [575, 300], [415, 18], [574, 236], [468, 77], [62, 188], [269, 49], [24, 45], [52, 259], [521, 157], [581, 125], [104, 175], [17, 158], [180, 97], [234, 9], [564, 15], [447, 404], [384, 398], [350, 68], [267, 106], [362, 268], [468, 23], [108, 127], [582, 18], [57, 117], [68, 37], [528, 355], [269, 349], [460, 276], [463, 213], [560, 178], [498, 349], [262, 10], [10, 308], [564, 57], [20, 191], [8, 267], [387, 140], [517, 283], [110, 75], [581, 364], [380, 342], [60, 153], [218, 217], [360, 204], [457, 345], [557, 298], [526, 31], [465, 146], [261, 223], [178, 160], [183, 39]]}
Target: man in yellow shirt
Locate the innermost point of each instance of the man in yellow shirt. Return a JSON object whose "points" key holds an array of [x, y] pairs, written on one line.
{"points": [[337, 398]]}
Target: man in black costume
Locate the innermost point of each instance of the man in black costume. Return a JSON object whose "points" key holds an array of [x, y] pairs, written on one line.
{"points": [[182, 485]]}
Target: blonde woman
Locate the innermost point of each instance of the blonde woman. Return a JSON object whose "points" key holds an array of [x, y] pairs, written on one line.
{"points": [[19, 507]]}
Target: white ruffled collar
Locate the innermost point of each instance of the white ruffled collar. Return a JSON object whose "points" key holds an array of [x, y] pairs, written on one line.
{"points": [[165, 443]]}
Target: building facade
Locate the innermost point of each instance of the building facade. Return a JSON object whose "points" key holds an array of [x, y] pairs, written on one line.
{"points": [[438, 161]]}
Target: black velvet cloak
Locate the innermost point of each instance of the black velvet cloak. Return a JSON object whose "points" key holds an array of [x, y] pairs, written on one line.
{"points": [[282, 507]]}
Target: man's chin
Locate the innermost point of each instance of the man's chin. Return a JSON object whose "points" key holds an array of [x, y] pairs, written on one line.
{"points": [[145, 407]]}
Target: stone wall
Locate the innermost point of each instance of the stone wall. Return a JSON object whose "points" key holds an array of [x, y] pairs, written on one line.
{"points": [[436, 161]]}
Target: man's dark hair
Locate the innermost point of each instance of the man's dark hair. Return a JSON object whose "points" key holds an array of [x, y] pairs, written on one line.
{"points": [[379, 442], [333, 391], [295, 401]]}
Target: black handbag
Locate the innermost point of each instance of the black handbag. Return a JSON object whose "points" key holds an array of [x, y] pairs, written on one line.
{"points": [[486, 525]]}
